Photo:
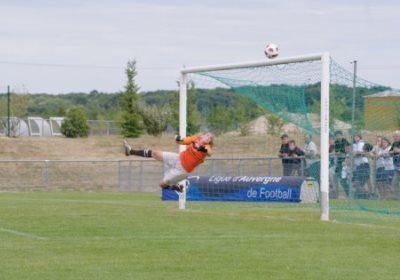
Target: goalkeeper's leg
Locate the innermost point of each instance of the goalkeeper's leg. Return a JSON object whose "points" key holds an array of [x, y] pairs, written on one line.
{"points": [[175, 187], [157, 155], [174, 173]]}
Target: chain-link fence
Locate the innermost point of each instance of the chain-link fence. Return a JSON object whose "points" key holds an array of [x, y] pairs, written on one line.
{"points": [[371, 187], [102, 127], [142, 175]]}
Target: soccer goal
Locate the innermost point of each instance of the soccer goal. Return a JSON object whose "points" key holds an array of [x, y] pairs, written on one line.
{"points": [[249, 106], [268, 83]]}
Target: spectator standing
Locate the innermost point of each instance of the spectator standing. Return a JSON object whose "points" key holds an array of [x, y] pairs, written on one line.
{"points": [[310, 149], [284, 153], [377, 146], [345, 170], [395, 152], [340, 153], [332, 164], [384, 169], [295, 153], [361, 173], [311, 155]]}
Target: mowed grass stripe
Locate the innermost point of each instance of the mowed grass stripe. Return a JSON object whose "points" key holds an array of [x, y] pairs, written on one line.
{"points": [[20, 233], [137, 236]]}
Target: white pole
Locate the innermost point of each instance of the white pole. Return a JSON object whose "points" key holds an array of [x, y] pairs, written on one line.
{"points": [[182, 127], [324, 176], [249, 64], [353, 111], [182, 105]]}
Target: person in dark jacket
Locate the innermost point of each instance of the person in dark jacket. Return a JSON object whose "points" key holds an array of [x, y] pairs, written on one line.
{"points": [[296, 159], [395, 152], [340, 154], [284, 153]]}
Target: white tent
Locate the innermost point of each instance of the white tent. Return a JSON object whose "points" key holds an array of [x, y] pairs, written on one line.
{"points": [[55, 125], [38, 127], [18, 127]]}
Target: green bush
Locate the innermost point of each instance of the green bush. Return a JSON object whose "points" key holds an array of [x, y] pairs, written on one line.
{"points": [[274, 124], [221, 119], [131, 125], [75, 123], [155, 119]]}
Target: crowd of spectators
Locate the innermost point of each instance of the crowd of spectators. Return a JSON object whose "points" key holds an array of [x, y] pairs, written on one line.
{"points": [[360, 169]]}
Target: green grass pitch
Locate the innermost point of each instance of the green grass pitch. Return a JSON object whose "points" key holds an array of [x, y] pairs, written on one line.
{"points": [[137, 236]]}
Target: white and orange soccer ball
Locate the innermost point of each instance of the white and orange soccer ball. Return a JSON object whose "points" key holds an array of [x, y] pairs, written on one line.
{"points": [[271, 50]]}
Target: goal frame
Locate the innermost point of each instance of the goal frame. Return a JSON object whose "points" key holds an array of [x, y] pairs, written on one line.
{"points": [[324, 137]]}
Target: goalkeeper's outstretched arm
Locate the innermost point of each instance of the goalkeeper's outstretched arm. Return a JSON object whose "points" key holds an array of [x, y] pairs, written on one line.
{"points": [[185, 140], [202, 143]]}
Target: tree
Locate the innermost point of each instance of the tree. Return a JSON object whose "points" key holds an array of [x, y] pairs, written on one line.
{"points": [[274, 124], [131, 123], [75, 123], [174, 116], [220, 120], [193, 114], [20, 102], [155, 118]]}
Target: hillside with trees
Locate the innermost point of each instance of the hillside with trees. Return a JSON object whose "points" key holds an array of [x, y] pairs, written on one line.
{"points": [[218, 109]]}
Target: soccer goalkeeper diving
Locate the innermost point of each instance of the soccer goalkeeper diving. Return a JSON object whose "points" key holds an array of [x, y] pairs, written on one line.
{"points": [[177, 167]]}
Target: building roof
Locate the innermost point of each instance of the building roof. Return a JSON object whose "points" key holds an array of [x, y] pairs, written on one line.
{"points": [[386, 93]]}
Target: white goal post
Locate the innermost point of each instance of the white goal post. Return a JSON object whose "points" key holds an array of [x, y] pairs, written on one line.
{"points": [[325, 81]]}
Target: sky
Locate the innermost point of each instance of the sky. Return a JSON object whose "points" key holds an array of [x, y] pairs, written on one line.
{"points": [[60, 46]]}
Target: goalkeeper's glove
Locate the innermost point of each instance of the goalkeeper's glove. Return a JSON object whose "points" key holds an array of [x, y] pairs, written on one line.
{"points": [[200, 148], [203, 149], [178, 138]]}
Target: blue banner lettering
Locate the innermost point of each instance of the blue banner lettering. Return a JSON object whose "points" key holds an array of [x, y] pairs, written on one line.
{"points": [[240, 188]]}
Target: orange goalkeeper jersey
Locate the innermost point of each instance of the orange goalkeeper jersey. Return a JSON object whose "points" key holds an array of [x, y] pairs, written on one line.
{"points": [[191, 157]]}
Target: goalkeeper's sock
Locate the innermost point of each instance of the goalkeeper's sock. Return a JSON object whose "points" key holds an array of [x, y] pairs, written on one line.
{"points": [[178, 188], [142, 153]]}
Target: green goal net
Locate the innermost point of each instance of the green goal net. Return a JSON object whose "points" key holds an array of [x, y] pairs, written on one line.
{"points": [[249, 108]]}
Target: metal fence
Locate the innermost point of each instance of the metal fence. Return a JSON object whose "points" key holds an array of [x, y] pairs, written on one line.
{"points": [[140, 175], [144, 175], [102, 127]]}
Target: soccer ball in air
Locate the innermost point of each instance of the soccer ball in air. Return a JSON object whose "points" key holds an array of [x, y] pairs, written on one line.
{"points": [[271, 51]]}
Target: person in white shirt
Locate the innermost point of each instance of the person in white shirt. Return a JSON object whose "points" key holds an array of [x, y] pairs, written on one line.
{"points": [[384, 169], [361, 174], [311, 155], [358, 151], [377, 145], [310, 149]]}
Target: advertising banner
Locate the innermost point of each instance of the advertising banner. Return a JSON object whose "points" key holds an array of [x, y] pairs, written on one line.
{"points": [[240, 188]]}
